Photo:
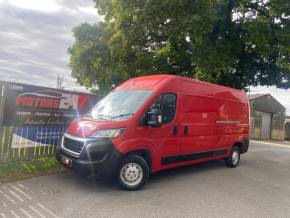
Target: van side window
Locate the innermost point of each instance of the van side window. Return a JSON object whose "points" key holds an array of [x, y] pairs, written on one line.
{"points": [[166, 103], [168, 107]]}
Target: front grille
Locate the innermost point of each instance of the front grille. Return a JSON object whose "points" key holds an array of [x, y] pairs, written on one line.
{"points": [[73, 145]]}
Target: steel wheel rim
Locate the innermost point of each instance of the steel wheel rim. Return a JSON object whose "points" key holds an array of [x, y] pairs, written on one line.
{"points": [[235, 157], [131, 174]]}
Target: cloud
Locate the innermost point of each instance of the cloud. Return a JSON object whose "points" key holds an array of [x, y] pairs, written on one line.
{"points": [[47, 5], [35, 36]]}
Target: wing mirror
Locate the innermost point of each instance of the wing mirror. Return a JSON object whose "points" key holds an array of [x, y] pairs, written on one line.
{"points": [[154, 118]]}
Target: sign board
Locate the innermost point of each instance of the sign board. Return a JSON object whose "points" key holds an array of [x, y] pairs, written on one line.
{"points": [[36, 136], [40, 115], [28, 105]]}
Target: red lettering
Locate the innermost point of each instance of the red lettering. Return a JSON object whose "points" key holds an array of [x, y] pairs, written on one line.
{"points": [[36, 102], [27, 101], [49, 103], [24, 101], [19, 100]]}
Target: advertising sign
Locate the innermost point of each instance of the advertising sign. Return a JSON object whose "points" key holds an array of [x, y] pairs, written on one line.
{"points": [[36, 136], [28, 105], [40, 115]]}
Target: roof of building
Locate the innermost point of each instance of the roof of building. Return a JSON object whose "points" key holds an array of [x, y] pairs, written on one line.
{"points": [[253, 96], [266, 103]]}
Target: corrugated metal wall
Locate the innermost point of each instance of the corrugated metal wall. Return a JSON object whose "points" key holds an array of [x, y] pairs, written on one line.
{"points": [[266, 126], [276, 130], [287, 131], [255, 125], [278, 127], [267, 118]]}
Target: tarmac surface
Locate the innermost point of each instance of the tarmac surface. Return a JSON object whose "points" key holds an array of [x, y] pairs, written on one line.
{"points": [[258, 187]]}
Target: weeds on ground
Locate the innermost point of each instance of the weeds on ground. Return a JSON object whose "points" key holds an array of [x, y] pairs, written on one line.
{"points": [[14, 170]]}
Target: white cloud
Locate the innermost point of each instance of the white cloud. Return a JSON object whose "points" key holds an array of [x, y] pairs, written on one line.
{"points": [[88, 10], [37, 5], [35, 36]]}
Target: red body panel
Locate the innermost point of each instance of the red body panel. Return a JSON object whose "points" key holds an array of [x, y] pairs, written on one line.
{"points": [[216, 118]]}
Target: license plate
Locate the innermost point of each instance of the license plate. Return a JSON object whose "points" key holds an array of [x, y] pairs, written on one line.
{"points": [[66, 161]]}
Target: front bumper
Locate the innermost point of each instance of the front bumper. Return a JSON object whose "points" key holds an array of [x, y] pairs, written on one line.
{"points": [[98, 158]]}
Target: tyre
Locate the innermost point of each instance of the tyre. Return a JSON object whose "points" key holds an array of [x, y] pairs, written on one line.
{"points": [[234, 158], [133, 173]]}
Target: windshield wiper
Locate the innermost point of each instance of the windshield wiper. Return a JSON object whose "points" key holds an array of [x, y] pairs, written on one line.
{"points": [[101, 116], [122, 115]]}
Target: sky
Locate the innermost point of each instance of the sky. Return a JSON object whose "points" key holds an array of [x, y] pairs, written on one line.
{"points": [[35, 36]]}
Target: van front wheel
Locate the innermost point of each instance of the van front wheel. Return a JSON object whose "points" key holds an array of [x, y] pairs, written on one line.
{"points": [[133, 173], [234, 158]]}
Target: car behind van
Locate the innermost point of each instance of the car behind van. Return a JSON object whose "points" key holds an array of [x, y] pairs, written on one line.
{"points": [[152, 123]]}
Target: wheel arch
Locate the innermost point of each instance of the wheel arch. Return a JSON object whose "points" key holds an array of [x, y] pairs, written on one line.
{"points": [[242, 145], [144, 153], [238, 144]]}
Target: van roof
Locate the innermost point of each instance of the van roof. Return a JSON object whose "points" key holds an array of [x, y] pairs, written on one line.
{"points": [[152, 82], [155, 82]]}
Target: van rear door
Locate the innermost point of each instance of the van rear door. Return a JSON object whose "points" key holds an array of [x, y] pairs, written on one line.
{"points": [[232, 123]]}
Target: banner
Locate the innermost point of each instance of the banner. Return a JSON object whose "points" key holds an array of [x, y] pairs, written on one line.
{"points": [[28, 105], [36, 136], [38, 116]]}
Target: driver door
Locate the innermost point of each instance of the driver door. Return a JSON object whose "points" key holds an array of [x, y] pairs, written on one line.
{"points": [[165, 137]]}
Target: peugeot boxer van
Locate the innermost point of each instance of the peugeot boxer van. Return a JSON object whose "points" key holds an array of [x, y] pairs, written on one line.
{"points": [[152, 123]]}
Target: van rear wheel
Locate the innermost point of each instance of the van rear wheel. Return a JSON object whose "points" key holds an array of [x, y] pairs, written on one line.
{"points": [[234, 158], [133, 173]]}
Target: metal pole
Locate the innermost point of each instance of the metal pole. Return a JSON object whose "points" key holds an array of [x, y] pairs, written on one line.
{"points": [[2, 101], [2, 109]]}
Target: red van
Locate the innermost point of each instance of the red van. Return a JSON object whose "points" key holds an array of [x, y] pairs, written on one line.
{"points": [[152, 123]]}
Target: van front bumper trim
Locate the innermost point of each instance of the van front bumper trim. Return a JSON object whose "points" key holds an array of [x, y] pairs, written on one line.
{"points": [[98, 158]]}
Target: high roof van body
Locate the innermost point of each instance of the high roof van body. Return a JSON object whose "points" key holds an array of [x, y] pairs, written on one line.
{"points": [[152, 123]]}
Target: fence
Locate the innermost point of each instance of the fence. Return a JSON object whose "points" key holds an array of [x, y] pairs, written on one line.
{"points": [[14, 147], [33, 118]]}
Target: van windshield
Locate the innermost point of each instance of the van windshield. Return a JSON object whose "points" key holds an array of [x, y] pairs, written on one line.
{"points": [[120, 104]]}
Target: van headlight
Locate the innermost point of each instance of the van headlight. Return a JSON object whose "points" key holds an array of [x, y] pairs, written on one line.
{"points": [[108, 133]]}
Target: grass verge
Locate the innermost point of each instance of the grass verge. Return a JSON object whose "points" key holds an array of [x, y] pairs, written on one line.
{"points": [[15, 170]]}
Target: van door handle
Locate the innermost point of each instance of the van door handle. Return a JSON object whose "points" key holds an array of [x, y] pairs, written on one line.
{"points": [[185, 130], [175, 130]]}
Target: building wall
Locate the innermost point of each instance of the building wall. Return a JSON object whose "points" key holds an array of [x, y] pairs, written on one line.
{"points": [[287, 130], [261, 108], [278, 127], [255, 125]]}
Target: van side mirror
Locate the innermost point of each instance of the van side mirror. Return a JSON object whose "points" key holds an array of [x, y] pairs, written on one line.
{"points": [[154, 118]]}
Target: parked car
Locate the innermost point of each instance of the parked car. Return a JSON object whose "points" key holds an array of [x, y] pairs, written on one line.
{"points": [[152, 123]]}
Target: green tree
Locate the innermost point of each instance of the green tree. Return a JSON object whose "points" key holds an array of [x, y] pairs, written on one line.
{"points": [[231, 42]]}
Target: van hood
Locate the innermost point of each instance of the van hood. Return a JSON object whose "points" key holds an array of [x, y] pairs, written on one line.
{"points": [[85, 127]]}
